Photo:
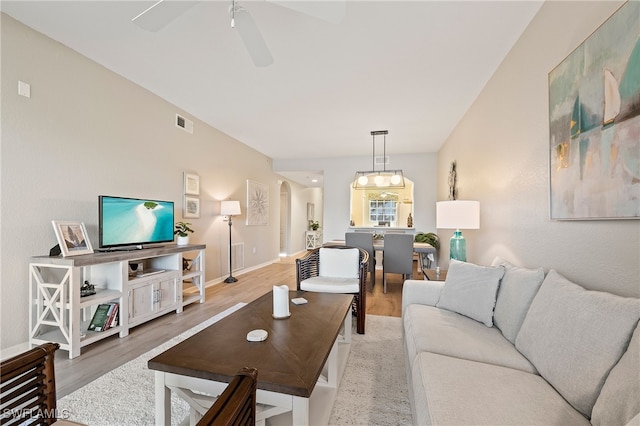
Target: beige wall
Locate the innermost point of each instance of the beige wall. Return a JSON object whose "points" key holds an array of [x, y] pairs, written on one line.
{"points": [[86, 131], [338, 177], [502, 151]]}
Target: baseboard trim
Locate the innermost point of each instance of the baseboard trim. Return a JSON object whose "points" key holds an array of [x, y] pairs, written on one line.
{"points": [[220, 280], [14, 350]]}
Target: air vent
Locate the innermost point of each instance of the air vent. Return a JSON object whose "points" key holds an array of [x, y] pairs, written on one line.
{"points": [[183, 123], [382, 160], [237, 256]]}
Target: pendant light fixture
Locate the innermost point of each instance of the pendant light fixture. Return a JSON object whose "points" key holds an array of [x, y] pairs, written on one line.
{"points": [[379, 179]]}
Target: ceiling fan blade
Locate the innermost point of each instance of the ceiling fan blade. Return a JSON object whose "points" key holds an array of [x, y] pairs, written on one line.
{"points": [[252, 38], [161, 14], [332, 11]]}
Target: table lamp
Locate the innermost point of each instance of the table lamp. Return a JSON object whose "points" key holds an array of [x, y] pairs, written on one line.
{"points": [[230, 208], [458, 214]]}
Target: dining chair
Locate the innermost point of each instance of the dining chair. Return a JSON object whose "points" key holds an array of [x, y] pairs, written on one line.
{"points": [[236, 405], [336, 269], [397, 257], [364, 241], [28, 390]]}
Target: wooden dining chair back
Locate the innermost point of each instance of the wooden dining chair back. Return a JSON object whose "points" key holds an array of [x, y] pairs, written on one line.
{"points": [[236, 405], [336, 269], [364, 240], [28, 387], [398, 256]]}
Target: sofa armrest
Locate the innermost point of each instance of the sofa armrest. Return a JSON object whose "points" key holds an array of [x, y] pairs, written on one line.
{"points": [[421, 291]]}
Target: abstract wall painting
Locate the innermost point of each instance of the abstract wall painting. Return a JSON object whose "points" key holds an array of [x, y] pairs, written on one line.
{"points": [[191, 207], [191, 184], [594, 124], [257, 203]]}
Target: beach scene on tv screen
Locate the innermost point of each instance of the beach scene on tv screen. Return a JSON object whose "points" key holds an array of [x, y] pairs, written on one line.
{"points": [[128, 221]]}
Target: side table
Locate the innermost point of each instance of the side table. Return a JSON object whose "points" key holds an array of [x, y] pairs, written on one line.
{"points": [[431, 275], [312, 239]]}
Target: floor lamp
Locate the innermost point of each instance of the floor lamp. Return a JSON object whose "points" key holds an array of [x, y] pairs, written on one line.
{"points": [[230, 209], [458, 214]]}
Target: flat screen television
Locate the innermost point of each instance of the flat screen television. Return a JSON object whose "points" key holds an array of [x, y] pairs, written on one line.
{"points": [[134, 222]]}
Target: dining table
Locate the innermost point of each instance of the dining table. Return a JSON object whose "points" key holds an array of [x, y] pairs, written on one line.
{"points": [[425, 251]]}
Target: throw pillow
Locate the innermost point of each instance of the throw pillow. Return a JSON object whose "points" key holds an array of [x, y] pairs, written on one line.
{"points": [[339, 263], [619, 399], [517, 289], [470, 290], [575, 336]]}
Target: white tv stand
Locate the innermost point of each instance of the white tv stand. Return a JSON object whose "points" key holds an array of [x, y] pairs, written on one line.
{"points": [[57, 313]]}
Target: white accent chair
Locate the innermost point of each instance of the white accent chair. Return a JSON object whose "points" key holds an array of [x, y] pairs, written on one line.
{"points": [[336, 269]]}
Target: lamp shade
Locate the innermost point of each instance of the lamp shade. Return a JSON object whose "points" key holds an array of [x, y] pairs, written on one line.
{"points": [[230, 208], [379, 179], [458, 214]]}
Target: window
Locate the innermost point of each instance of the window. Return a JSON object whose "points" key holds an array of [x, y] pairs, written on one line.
{"points": [[382, 211]]}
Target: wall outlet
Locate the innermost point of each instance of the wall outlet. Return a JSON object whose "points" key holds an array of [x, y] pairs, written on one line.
{"points": [[253, 250]]}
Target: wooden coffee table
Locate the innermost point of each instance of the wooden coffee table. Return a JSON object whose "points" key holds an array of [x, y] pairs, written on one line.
{"points": [[299, 365]]}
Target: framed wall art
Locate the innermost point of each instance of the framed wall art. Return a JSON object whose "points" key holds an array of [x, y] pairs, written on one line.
{"points": [[594, 124], [311, 211], [191, 184], [72, 238], [257, 203], [191, 207]]}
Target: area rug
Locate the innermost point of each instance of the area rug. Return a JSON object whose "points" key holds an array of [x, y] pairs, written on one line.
{"points": [[373, 390]]}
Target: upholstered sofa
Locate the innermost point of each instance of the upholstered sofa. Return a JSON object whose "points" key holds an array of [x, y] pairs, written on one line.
{"points": [[506, 345]]}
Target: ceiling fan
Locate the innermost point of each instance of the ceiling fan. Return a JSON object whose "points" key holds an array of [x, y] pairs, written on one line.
{"points": [[163, 12]]}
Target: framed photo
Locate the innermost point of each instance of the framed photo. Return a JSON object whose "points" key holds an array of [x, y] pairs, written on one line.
{"points": [[310, 211], [72, 238], [191, 208], [191, 184], [257, 203]]}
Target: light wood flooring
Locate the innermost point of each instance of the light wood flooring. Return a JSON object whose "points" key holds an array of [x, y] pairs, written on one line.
{"points": [[110, 353]]}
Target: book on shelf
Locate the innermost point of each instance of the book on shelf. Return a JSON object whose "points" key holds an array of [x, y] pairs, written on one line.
{"points": [[113, 319], [100, 317], [103, 317]]}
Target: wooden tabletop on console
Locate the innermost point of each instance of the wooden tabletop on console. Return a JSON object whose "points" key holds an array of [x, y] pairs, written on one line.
{"points": [[289, 361], [117, 255]]}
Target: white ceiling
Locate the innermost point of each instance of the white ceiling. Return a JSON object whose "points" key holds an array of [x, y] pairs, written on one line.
{"points": [[412, 68]]}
